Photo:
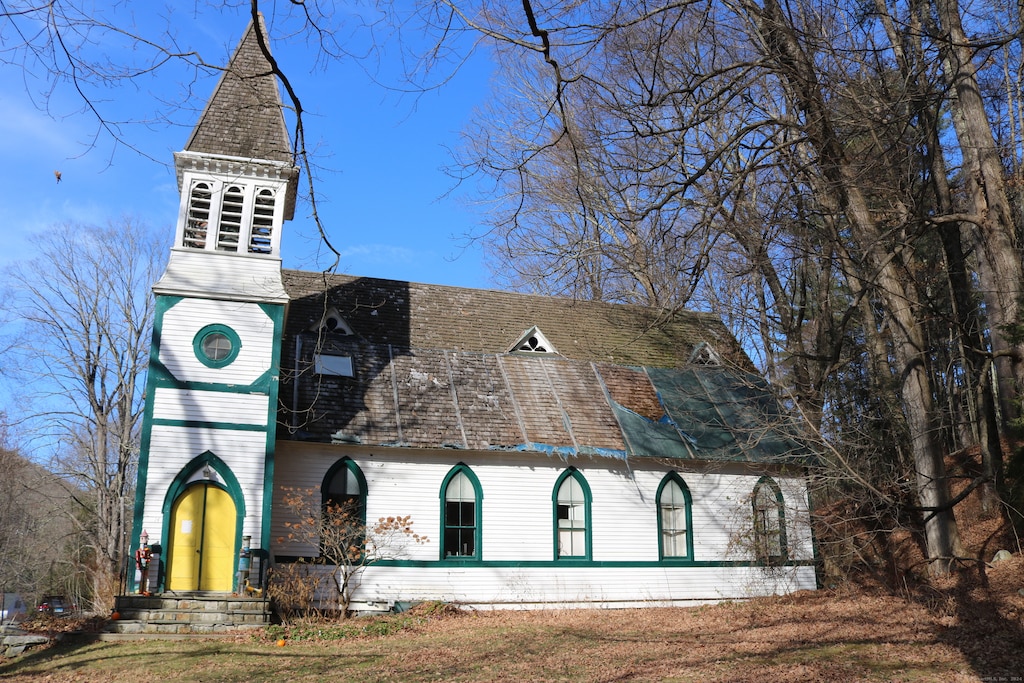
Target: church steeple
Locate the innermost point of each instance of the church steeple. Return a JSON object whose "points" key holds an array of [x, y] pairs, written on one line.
{"points": [[237, 179], [206, 461], [244, 117]]}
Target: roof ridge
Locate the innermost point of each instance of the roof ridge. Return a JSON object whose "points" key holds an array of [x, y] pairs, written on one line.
{"points": [[505, 292], [244, 116]]}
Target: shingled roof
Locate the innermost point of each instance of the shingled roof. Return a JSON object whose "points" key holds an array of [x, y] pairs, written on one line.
{"points": [[432, 367], [243, 117], [412, 315]]}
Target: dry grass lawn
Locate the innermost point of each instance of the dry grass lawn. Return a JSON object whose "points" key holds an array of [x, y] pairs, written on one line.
{"points": [[966, 628], [969, 630]]}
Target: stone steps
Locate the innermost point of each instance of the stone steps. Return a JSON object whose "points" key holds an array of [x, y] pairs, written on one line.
{"points": [[192, 613]]}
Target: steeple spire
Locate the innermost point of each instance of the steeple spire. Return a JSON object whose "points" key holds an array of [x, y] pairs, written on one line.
{"points": [[238, 183], [243, 117]]}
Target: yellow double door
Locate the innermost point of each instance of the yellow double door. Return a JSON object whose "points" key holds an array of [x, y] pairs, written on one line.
{"points": [[203, 543]]}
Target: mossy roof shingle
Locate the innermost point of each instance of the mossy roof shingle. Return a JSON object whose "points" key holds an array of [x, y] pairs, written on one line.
{"points": [[432, 368]]}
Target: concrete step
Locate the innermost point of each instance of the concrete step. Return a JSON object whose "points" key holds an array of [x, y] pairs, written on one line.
{"points": [[138, 627], [193, 613]]}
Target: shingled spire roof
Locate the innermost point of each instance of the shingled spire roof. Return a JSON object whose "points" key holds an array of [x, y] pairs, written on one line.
{"points": [[244, 117]]}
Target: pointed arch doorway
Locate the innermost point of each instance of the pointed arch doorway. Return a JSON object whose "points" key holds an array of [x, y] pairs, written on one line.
{"points": [[203, 539]]}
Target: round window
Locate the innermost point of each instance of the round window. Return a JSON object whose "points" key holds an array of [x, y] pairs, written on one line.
{"points": [[216, 345]]}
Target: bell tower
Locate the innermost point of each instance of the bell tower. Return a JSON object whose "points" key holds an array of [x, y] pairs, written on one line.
{"points": [[207, 452], [237, 179]]}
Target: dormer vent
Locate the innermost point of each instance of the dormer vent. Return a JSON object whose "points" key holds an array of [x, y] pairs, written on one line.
{"points": [[704, 354], [333, 323], [533, 341]]}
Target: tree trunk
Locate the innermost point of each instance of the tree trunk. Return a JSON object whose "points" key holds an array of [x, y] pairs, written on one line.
{"points": [[898, 295], [969, 323], [999, 265]]}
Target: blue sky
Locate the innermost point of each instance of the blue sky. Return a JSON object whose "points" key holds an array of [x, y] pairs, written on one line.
{"points": [[384, 197]]}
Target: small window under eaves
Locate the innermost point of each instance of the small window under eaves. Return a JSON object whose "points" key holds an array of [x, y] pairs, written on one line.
{"points": [[333, 323], [533, 341], [704, 354], [336, 366]]}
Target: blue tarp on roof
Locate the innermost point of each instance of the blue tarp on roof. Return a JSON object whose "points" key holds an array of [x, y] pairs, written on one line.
{"points": [[713, 413]]}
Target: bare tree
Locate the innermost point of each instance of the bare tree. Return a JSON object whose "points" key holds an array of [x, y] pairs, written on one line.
{"points": [[35, 535], [80, 349], [347, 545]]}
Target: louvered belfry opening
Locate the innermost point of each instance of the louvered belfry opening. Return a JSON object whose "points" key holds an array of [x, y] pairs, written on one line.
{"points": [[198, 219], [242, 215], [262, 222]]}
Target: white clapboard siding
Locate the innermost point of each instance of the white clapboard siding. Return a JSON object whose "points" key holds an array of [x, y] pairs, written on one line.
{"points": [[517, 526], [185, 319], [189, 271], [210, 406], [171, 448], [577, 586], [381, 587]]}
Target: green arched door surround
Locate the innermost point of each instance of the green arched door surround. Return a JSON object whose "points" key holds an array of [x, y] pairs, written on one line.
{"points": [[208, 471]]}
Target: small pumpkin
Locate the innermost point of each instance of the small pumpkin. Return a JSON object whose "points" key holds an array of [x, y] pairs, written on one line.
{"points": [[281, 642], [115, 615]]}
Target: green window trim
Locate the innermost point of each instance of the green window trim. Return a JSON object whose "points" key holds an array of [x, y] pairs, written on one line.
{"points": [[672, 479], [769, 509], [353, 479], [216, 346], [345, 486], [566, 507], [461, 526]]}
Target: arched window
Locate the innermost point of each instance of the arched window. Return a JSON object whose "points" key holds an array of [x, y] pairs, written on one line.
{"points": [[769, 523], [461, 499], [572, 516], [674, 518], [344, 489]]}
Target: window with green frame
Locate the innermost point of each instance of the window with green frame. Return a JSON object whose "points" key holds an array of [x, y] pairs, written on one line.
{"points": [[216, 346], [345, 487], [674, 518], [769, 523], [572, 516], [343, 495], [461, 499]]}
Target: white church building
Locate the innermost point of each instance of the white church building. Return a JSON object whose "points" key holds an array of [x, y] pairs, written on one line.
{"points": [[553, 452]]}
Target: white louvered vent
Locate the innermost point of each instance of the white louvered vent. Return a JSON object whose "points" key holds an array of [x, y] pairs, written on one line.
{"points": [[533, 341]]}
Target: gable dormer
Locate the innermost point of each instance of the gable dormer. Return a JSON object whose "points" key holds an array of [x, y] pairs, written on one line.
{"points": [[533, 341], [332, 323], [704, 354]]}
